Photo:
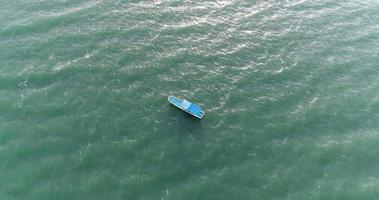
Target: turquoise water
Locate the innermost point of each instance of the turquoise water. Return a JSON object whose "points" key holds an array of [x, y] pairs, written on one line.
{"points": [[290, 90]]}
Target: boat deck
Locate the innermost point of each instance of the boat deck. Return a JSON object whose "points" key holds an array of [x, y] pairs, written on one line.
{"points": [[187, 106]]}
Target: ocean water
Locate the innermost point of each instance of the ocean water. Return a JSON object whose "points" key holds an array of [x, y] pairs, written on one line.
{"points": [[290, 89]]}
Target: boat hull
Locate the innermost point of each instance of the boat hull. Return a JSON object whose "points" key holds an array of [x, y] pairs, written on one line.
{"points": [[186, 106]]}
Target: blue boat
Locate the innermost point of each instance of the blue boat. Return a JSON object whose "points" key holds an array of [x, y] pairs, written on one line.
{"points": [[186, 106]]}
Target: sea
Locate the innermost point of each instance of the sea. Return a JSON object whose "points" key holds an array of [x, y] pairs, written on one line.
{"points": [[290, 89]]}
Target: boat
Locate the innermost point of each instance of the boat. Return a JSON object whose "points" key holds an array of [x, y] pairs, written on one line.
{"points": [[186, 106]]}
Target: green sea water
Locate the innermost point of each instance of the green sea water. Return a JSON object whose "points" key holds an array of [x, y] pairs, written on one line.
{"points": [[290, 89]]}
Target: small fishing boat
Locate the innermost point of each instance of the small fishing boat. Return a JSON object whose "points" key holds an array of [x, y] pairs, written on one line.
{"points": [[186, 106]]}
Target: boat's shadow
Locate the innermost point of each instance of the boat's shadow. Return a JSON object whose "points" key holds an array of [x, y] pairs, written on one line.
{"points": [[180, 121]]}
